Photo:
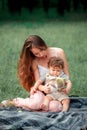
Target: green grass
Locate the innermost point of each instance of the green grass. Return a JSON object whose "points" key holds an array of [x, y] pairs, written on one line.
{"points": [[69, 33]]}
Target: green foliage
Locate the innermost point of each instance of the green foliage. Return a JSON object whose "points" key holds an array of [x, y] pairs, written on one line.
{"points": [[69, 34]]}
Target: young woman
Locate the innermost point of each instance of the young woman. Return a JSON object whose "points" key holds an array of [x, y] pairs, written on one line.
{"points": [[33, 62], [32, 65]]}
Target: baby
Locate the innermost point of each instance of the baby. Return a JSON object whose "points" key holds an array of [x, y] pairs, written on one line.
{"points": [[57, 84]]}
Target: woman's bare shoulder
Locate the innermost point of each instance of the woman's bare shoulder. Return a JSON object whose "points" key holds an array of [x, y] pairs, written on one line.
{"points": [[56, 50]]}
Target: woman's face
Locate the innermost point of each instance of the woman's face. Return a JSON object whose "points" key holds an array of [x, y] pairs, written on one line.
{"points": [[40, 53]]}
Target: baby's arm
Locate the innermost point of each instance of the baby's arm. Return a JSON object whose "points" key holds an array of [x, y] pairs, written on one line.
{"points": [[68, 86], [44, 88]]}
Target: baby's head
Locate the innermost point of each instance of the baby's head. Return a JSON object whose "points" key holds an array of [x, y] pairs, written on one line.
{"points": [[56, 66]]}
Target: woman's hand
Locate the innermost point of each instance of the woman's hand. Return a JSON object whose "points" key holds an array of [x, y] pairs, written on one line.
{"points": [[33, 90]]}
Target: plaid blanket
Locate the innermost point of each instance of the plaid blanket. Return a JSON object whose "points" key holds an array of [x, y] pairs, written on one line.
{"points": [[12, 118]]}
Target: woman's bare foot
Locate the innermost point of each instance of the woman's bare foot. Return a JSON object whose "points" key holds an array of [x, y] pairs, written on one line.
{"points": [[6, 103], [1, 105]]}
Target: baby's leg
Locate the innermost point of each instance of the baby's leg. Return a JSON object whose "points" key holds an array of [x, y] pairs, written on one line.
{"points": [[65, 103], [45, 104]]}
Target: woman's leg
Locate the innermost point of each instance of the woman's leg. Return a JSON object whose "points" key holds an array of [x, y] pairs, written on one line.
{"points": [[34, 102]]}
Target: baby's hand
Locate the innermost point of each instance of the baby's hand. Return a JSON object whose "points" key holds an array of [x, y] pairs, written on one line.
{"points": [[65, 91], [47, 89]]}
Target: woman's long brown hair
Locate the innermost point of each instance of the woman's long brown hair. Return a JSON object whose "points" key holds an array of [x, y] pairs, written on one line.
{"points": [[25, 73]]}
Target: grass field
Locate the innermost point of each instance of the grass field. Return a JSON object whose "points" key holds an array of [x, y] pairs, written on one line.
{"points": [[69, 33]]}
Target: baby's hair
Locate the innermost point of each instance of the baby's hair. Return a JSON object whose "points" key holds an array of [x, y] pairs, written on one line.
{"points": [[56, 62]]}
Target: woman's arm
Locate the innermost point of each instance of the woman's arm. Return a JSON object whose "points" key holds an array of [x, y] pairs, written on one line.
{"points": [[62, 55], [41, 88], [36, 86], [36, 77], [35, 70], [38, 81]]}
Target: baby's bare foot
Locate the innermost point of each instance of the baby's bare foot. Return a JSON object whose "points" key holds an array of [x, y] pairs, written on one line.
{"points": [[44, 107]]}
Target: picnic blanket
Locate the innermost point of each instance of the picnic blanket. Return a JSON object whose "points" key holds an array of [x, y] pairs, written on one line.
{"points": [[12, 118]]}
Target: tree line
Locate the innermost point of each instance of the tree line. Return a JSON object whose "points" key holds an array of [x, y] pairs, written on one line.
{"points": [[15, 6]]}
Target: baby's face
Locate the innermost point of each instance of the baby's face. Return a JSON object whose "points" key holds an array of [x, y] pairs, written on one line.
{"points": [[55, 71]]}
